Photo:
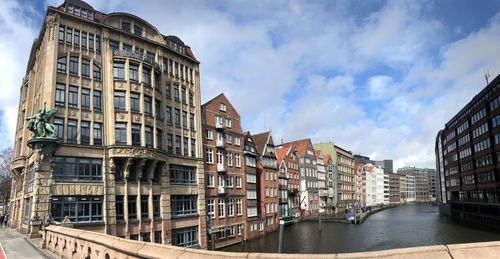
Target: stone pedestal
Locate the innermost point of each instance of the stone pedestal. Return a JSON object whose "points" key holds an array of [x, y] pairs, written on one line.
{"points": [[34, 229], [43, 150]]}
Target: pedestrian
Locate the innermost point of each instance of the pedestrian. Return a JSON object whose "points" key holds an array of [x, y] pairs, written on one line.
{"points": [[6, 220], [2, 217]]}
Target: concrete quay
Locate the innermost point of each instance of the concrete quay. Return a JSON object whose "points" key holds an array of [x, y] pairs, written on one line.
{"points": [[64, 242]]}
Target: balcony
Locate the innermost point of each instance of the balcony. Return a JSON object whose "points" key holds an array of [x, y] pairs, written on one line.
{"points": [[293, 191], [219, 125], [221, 190], [220, 143], [221, 168], [130, 54]]}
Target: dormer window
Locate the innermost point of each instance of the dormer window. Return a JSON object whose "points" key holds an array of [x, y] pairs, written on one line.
{"points": [[84, 13], [77, 11], [70, 9], [137, 30], [126, 26]]}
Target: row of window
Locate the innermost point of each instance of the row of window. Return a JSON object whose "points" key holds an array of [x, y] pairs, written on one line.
{"points": [[480, 130], [221, 137], [482, 145], [83, 131], [133, 75], [71, 36], [183, 145], [220, 157], [221, 207], [127, 26], [463, 127], [74, 64], [77, 209], [132, 207], [177, 118], [72, 96], [77, 169], [478, 116], [230, 181], [178, 96], [120, 103], [87, 14]]}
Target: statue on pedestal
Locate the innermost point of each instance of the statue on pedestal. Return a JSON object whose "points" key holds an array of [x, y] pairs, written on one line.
{"points": [[39, 123]]}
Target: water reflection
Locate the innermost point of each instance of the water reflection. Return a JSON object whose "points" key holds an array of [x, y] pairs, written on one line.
{"points": [[405, 226]]}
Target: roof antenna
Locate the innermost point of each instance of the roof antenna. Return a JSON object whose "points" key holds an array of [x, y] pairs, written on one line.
{"points": [[487, 75]]}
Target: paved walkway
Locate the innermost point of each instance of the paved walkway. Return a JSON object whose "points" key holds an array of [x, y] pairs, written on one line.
{"points": [[13, 245]]}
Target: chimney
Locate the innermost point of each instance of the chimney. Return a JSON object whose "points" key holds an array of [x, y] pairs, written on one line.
{"points": [[281, 141]]}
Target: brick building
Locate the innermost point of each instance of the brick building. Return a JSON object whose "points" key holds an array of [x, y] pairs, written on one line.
{"points": [[224, 171], [267, 173]]}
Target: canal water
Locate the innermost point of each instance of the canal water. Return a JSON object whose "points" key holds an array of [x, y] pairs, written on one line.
{"points": [[404, 226]]}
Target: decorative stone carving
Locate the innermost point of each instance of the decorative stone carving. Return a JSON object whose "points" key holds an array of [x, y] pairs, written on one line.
{"points": [[50, 25], [43, 149], [135, 153]]}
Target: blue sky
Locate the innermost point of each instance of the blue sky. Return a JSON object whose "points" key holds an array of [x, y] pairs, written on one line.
{"points": [[379, 78]]}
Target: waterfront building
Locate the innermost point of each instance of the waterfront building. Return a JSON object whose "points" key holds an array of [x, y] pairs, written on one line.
{"points": [[374, 182], [282, 187], [410, 188], [433, 187], [308, 191], [267, 172], [402, 188], [255, 215], [330, 153], [225, 175], [331, 175], [123, 165], [423, 179], [394, 188], [345, 178], [386, 189], [360, 184], [322, 182], [287, 160], [386, 165], [468, 160]]}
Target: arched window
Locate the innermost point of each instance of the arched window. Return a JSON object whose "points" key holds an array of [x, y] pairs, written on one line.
{"points": [[97, 72]]}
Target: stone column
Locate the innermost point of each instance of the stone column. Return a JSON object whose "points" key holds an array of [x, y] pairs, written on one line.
{"points": [[125, 196], [151, 170], [139, 173], [43, 150], [165, 209], [109, 170]]}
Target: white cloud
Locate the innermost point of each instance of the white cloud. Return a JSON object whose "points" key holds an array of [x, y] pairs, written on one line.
{"points": [[381, 85], [17, 33]]}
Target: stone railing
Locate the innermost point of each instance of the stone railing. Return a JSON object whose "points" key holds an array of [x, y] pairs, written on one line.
{"points": [[66, 242]]}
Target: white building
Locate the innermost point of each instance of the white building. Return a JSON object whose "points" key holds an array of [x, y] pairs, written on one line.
{"points": [[386, 189], [374, 185], [410, 188]]}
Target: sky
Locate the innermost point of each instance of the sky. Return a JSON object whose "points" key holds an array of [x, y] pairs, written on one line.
{"points": [[379, 78]]}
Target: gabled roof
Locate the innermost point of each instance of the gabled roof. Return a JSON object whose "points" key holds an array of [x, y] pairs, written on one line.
{"points": [[223, 97], [317, 153], [282, 152], [326, 159], [300, 146], [261, 140]]}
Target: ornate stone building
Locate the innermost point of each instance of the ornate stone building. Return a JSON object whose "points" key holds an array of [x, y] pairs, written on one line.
{"points": [[225, 172], [128, 161]]}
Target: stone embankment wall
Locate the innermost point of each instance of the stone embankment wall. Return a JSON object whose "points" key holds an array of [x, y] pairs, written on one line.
{"points": [[66, 242]]}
